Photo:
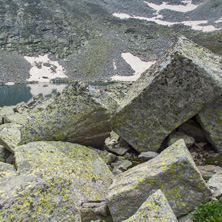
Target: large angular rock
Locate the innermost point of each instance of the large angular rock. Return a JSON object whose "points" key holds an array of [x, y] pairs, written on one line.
{"points": [[87, 173], [6, 169], [173, 171], [210, 118], [173, 90], [80, 114], [33, 198], [155, 208]]}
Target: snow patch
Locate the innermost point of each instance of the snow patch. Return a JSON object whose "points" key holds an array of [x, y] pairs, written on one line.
{"points": [[45, 88], [43, 69], [9, 83], [136, 64]]}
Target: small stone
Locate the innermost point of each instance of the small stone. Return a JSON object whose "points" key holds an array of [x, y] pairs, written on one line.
{"points": [[147, 155], [173, 137], [215, 183], [118, 150], [208, 171]]}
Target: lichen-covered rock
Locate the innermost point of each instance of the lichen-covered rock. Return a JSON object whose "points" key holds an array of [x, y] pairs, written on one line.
{"points": [[215, 183], [210, 118], [80, 114], [16, 118], [33, 198], [10, 136], [6, 169], [155, 209], [87, 173], [173, 137], [173, 171], [147, 155], [193, 129], [173, 90]]}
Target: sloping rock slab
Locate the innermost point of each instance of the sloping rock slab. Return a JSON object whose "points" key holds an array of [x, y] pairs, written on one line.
{"points": [[155, 208], [173, 171], [31, 198], [6, 169], [88, 174], [172, 91], [80, 114], [210, 118], [10, 136]]}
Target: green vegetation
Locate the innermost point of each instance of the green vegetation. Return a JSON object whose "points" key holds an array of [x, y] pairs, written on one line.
{"points": [[208, 212]]}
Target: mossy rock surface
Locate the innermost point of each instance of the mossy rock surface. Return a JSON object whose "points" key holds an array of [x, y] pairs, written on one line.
{"points": [[173, 171]]}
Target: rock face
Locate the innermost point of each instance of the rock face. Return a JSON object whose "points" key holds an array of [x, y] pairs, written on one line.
{"points": [[210, 119], [55, 176], [173, 90], [80, 114], [173, 171], [155, 208]]}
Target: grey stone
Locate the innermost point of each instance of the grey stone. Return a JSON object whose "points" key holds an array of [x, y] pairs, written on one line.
{"points": [[10, 136], [186, 218], [155, 208], [118, 150], [208, 171], [215, 183], [173, 171], [30, 197], [80, 114], [147, 155], [88, 175], [210, 118], [4, 154], [120, 166], [107, 157], [173, 137], [6, 170], [173, 90], [193, 129]]}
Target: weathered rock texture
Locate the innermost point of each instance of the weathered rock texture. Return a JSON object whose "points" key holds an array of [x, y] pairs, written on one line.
{"points": [[210, 119], [10, 136], [64, 177], [155, 208], [173, 137], [80, 114], [215, 183], [168, 94], [173, 171]]}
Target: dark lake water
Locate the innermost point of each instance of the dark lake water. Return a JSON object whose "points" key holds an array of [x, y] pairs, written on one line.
{"points": [[13, 94]]}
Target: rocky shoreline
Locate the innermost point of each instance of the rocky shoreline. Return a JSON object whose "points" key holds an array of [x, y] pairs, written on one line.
{"points": [[58, 162]]}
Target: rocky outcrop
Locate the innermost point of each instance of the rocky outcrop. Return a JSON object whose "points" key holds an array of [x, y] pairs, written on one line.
{"points": [[173, 171], [55, 177], [173, 90], [210, 119], [155, 208], [80, 114]]}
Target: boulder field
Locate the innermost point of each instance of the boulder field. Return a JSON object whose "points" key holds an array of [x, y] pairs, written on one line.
{"points": [[58, 162]]}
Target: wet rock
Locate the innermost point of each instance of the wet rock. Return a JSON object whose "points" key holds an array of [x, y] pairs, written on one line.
{"points": [[88, 175], [173, 137], [147, 155], [173, 171], [193, 129], [173, 90], [210, 119], [215, 183], [80, 114], [155, 208]]}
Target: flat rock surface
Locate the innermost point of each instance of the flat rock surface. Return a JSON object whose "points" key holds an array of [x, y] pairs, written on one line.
{"points": [[164, 97], [173, 171]]}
